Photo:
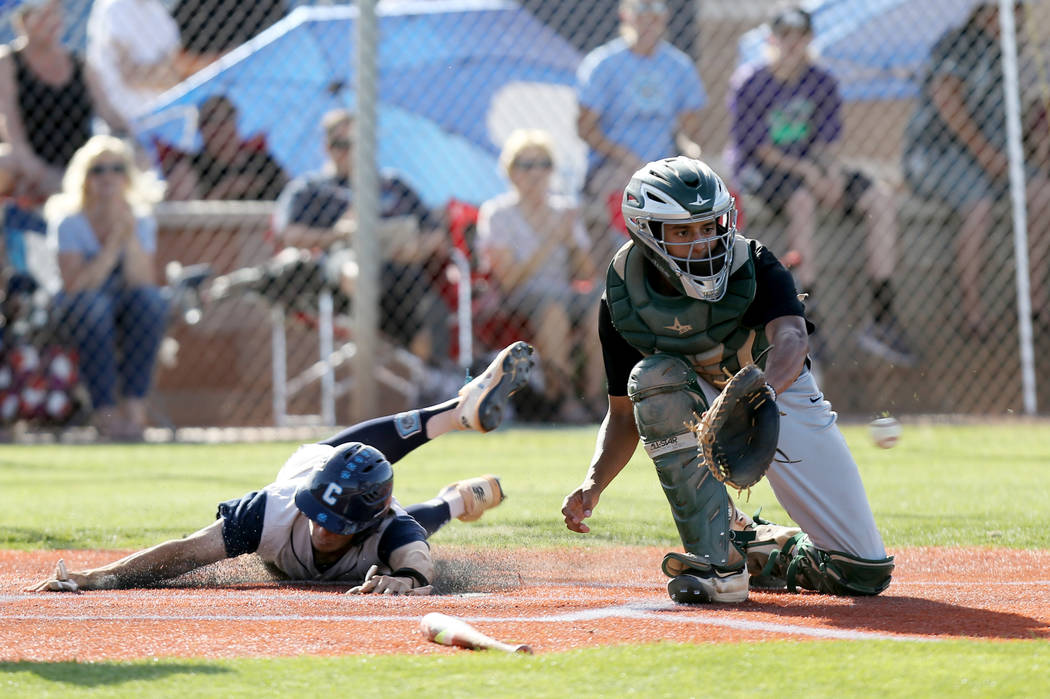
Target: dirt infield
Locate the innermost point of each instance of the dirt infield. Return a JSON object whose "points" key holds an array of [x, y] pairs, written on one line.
{"points": [[553, 600]]}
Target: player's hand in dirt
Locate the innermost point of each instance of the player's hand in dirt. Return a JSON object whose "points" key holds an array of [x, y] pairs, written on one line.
{"points": [[376, 584], [61, 581], [578, 506]]}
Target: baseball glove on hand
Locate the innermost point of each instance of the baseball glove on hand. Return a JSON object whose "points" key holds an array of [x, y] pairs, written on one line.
{"points": [[738, 434]]}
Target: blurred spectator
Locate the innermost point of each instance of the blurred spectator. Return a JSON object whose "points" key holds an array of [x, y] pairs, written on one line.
{"points": [[228, 166], [210, 28], [639, 100], [786, 122], [955, 152], [134, 47], [1035, 130], [587, 23], [317, 212], [536, 247], [110, 303], [47, 101]]}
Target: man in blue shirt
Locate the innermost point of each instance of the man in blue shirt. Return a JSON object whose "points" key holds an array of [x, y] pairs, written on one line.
{"points": [[640, 100]]}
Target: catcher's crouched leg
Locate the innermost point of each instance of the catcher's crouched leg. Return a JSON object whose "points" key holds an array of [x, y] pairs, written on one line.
{"points": [[666, 393], [801, 564]]}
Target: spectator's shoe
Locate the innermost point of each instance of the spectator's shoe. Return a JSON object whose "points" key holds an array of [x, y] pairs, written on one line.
{"points": [[483, 401], [887, 342], [478, 494], [712, 586]]}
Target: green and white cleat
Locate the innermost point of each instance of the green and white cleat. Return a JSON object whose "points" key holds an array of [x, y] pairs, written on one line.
{"points": [[483, 401], [712, 586]]}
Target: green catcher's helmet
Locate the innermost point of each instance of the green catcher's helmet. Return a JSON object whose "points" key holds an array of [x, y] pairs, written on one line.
{"points": [[683, 190]]}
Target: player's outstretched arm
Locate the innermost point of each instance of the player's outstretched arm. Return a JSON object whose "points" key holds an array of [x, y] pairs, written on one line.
{"points": [[617, 439], [161, 562]]}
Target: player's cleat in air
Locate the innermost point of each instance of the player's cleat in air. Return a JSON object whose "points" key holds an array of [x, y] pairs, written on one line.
{"points": [[483, 401], [478, 494], [706, 587]]}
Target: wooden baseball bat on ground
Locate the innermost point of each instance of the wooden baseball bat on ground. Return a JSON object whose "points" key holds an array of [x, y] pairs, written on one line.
{"points": [[450, 631]]}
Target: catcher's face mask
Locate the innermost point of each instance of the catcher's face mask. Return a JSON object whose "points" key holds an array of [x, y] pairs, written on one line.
{"points": [[701, 249]]}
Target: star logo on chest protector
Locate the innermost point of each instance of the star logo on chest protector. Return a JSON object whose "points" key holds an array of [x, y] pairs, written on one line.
{"points": [[678, 327]]}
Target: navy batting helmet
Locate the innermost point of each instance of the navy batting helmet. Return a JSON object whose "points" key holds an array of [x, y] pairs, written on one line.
{"points": [[351, 493]]}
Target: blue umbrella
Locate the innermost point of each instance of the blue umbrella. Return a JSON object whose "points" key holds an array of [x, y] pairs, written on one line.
{"points": [[875, 48], [441, 66]]}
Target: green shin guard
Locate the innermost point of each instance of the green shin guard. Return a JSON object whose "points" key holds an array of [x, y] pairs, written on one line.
{"points": [[666, 394], [803, 565], [700, 507]]}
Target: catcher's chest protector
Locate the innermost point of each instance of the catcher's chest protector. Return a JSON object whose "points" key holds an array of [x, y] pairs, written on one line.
{"points": [[708, 335]]}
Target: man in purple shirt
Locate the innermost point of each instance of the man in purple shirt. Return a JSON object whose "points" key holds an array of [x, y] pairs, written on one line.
{"points": [[787, 118]]}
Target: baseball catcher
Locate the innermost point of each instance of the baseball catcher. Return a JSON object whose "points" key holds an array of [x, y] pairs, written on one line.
{"points": [[331, 514], [689, 302]]}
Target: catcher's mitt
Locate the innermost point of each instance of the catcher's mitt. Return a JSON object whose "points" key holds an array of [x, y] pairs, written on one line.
{"points": [[738, 434]]}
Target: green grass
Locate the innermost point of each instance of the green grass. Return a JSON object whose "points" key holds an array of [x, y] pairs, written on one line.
{"points": [[943, 486], [773, 669]]}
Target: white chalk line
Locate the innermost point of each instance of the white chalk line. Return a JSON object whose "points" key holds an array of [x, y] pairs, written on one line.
{"points": [[646, 611], [970, 583], [283, 593], [895, 583]]}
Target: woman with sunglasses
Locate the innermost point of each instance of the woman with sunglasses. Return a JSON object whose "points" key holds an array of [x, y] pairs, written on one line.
{"points": [[537, 250], [110, 303]]}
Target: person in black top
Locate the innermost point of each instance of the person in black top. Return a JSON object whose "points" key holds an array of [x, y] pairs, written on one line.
{"points": [[316, 212], [48, 98], [228, 166]]}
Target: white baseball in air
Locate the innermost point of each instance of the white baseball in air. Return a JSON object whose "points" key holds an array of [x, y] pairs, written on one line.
{"points": [[885, 432]]}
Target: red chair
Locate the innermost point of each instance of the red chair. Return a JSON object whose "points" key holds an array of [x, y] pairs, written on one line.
{"points": [[490, 324]]}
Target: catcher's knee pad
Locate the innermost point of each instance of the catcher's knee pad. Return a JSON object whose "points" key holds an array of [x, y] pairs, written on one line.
{"points": [[830, 572], [667, 396]]}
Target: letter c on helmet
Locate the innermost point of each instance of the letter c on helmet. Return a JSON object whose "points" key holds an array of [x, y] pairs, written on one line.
{"points": [[330, 492]]}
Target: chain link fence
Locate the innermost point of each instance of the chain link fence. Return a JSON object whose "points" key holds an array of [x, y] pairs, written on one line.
{"points": [[883, 182]]}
